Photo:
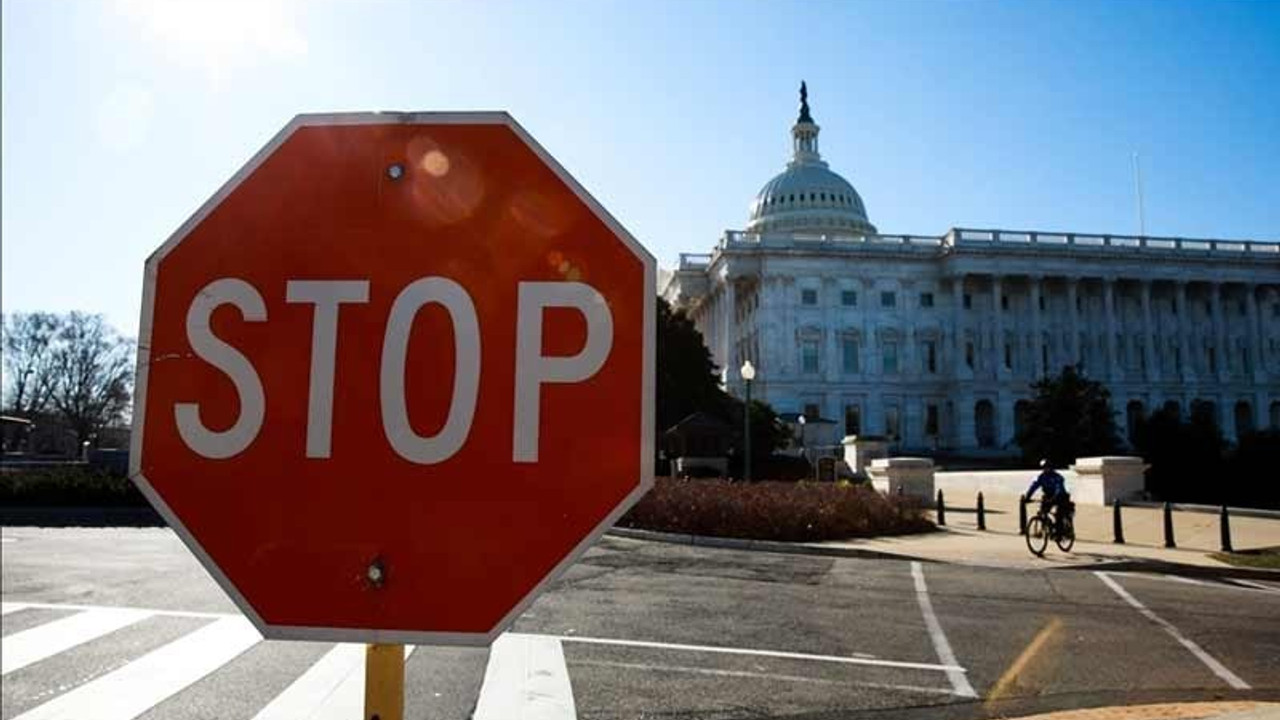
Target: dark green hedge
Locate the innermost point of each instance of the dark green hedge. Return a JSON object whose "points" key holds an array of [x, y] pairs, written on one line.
{"points": [[70, 485]]}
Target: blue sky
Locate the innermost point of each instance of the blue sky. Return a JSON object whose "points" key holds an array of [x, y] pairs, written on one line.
{"points": [[121, 117]]}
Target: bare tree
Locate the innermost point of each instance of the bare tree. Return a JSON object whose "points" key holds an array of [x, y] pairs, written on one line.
{"points": [[93, 367], [29, 374]]}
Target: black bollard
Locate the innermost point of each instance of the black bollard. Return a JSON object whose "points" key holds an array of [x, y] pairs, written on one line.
{"points": [[1022, 514], [942, 510], [1117, 527], [1168, 526], [982, 513], [1225, 526]]}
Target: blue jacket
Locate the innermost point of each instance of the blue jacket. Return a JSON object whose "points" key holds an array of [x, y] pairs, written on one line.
{"points": [[1051, 482]]}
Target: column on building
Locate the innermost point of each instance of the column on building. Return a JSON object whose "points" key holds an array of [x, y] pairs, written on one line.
{"points": [[1109, 309], [873, 413], [1073, 321], [957, 327], [1034, 283], [829, 296], [1185, 354], [1148, 334], [908, 363], [997, 293], [1220, 351], [1255, 338], [729, 320]]}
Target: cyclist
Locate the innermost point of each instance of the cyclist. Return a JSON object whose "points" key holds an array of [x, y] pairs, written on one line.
{"points": [[1054, 487]]}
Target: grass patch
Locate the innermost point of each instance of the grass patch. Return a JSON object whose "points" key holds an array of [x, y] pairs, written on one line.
{"points": [[796, 512], [68, 486], [1268, 558]]}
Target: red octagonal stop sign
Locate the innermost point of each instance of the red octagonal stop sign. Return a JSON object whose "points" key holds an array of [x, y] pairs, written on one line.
{"points": [[394, 377]]}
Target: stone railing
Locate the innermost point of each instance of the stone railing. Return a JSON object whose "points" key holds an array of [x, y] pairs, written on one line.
{"points": [[736, 238], [695, 261], [960, 237]]}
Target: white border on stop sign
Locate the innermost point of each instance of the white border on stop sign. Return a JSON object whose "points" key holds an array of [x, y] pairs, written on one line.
{"points": [[645, 468]]}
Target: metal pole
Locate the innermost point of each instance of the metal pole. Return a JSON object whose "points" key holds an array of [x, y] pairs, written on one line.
{"points": [[982, 513], [942, 510], [1117, 527], [384, 682], [746, 440], [1168, 526], [1022, 514], [1225, 526]]}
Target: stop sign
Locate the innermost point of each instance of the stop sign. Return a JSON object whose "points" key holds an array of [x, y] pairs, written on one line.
{"points": [[394, 377]]}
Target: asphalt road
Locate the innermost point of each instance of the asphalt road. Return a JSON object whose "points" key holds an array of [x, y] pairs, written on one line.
{"points": [[640, 629]]}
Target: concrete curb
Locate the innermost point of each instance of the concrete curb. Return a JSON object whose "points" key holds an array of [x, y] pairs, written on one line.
{"points": [[771, 546]]}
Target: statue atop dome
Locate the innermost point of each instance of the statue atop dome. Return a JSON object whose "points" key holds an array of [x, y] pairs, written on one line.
{"points": [[805, 117]]}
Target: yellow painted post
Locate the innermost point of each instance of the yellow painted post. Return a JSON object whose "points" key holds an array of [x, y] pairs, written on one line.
{"points": [[384, 682]]}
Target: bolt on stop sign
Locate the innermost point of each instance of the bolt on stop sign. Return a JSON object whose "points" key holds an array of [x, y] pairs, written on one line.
{"points": [[394, 377]]}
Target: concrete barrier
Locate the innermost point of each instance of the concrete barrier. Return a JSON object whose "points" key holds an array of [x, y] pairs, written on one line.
{"points": [[1091, 481], [908, 475]]}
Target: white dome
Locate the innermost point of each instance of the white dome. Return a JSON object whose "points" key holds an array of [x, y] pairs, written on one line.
{"points": [[808, 196]]}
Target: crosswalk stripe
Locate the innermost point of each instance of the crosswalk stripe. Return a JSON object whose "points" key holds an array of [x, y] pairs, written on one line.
{"points": [[23, 648], [526, 678], [1256, 585], [135, 688], [6, 608], [331, 689]]}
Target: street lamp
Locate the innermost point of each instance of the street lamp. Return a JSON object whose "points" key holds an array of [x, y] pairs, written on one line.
{"points": [[748, 374], [803, 453]]}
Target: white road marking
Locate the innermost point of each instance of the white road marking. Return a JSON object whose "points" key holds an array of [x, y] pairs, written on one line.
{"points": [[142, 684], [759, 675], [1218, 668], [149, 611], [1187, 580], [23, 648], [526, 678], [331, 688], [955, 673], [6, 608], [761, 653], [1255, 585]]}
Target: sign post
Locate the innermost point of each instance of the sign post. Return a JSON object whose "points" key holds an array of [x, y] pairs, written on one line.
{"points": [[393, 378]]}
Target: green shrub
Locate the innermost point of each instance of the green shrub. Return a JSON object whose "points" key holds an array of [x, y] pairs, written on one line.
{"points": [[68, 486], [790, 511]]}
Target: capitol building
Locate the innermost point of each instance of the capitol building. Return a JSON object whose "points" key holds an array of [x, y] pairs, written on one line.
{"points": [[934, 340]]}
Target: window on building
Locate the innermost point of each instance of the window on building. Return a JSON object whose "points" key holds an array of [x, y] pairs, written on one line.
{"points": [[968, 301], [1004, 302], [930, 420], [849, 298], [808, 296], [1008, 356], [930, 356], [968, 354], [890, 357], [852, 419], [809, 357], [1243, 312], [811, 412], [849, 355], [1213, 360], [1275, 310], [926, 300], [888, 299], [892, 424], [1177, 360], [1042, 302], [1244, 360]]}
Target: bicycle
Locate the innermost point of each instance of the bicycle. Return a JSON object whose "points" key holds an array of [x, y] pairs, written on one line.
{"points": [[1042, 528]]}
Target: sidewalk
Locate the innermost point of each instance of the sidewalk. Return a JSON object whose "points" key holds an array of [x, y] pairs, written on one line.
{"points": [[1143, 526]]}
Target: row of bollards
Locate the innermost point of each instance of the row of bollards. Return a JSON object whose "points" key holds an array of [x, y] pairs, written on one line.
{"points": [[1117, 524]]}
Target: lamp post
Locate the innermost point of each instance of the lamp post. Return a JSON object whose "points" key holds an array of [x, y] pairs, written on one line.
{"points": [[803, 452], [748, 374]]}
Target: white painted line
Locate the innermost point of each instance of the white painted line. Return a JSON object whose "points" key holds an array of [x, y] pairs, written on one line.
{"points": [[331, 688], [759, 675], [23, 648], [525, 679], [956, 674], [6, 608], [759, 653], [144, 683], [1218, 668], [1187, 580], [149, 611], [1255, 585]]}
